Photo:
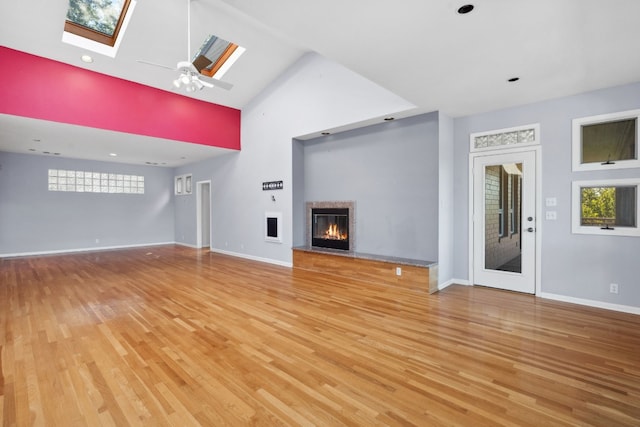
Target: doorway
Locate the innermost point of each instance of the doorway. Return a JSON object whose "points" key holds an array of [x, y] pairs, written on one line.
{"points": [[504, 231], [203, 213]]}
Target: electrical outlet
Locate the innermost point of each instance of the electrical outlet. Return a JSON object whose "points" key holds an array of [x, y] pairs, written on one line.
{"points": [[398, 271], [97, 240], [613, 288]]}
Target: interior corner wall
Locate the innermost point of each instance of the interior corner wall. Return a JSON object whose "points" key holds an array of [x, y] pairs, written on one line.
{"points": [[445, 196], [299, 207], [573, 265], [390, 170], [36, 220], [312, 95]]}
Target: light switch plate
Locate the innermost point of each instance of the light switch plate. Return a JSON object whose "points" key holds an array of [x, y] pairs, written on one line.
{"points": [[551, 215], [551, 201]]}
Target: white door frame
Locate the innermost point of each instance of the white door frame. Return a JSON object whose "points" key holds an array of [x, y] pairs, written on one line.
{"points": [[199, 218], [538, 209]]}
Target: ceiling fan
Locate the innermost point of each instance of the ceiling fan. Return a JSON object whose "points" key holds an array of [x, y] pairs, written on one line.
{"points": [[190, 78]]}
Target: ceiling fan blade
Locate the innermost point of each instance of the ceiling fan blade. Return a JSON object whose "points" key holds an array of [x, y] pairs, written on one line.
{"points": [[204, 83], [209, 82], [156, 65]]}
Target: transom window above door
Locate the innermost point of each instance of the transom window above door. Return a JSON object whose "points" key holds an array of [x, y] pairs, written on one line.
{"points": [[519, 136]]}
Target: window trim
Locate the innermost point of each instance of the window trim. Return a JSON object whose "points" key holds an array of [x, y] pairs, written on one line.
{"points": [[576, 141], [576, 207], [88, 33], [182, 184], [84, 40]]}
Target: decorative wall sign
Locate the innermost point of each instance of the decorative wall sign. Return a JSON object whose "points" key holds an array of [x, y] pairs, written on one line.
{"points": [[272, 185]]}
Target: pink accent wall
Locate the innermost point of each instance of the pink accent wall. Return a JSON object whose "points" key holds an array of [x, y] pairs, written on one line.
{"points": [[32, 86]]}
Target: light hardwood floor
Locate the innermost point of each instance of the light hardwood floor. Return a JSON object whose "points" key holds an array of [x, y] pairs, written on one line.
{"points": [[175, 336]]}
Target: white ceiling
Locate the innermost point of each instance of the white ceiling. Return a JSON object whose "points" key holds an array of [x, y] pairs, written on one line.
{"points": [[422, 50]]}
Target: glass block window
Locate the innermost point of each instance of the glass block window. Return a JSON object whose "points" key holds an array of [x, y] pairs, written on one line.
{"points": [[505, 138], [94, 182]]}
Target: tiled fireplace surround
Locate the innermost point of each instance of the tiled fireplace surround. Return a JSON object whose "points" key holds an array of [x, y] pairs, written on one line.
{"points": [[333, 205]]}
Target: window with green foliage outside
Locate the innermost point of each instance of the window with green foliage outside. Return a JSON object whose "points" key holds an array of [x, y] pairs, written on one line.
{"points": [[608, 206]]}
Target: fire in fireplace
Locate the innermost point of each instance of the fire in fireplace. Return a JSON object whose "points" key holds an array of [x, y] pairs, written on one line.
{"points": [[330, 228]]}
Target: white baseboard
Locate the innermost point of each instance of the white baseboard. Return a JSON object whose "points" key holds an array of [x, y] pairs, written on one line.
{"points": [[187, 245], [70, 251], [591, 303], [448, 283], [445, 285], [253, 258]]}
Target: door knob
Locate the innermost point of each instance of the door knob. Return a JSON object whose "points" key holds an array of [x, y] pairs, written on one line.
{"points": [[530, 219], [531, 229]]}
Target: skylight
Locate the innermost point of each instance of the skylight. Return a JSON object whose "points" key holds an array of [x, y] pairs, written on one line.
{"points": [[216, 56], [97, 25]]}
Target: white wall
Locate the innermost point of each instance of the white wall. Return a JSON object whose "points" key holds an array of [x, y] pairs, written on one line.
{"points": [[313, 95]]}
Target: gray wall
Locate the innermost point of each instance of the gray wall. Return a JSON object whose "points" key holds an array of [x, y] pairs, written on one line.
{"points": [[33, 219], [576, 266], [391, 171]]}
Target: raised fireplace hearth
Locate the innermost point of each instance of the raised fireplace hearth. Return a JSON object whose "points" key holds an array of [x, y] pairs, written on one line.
{"points": [[331, 225]]}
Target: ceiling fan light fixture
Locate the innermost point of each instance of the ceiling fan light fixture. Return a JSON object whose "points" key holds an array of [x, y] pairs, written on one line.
{"points": [[177, 83], [185, 79]]}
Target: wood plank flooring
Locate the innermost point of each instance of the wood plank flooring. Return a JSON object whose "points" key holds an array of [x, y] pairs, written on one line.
{"points": [[175, 336]]}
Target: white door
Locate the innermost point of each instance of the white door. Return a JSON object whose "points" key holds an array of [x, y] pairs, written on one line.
{"points": [[504, 221]]}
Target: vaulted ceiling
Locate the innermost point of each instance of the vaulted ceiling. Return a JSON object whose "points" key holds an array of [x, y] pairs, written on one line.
{"points": [[424, 51]]}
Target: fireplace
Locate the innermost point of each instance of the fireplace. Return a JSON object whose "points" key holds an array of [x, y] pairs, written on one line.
{"points": [[330, 228], [330, 225]]}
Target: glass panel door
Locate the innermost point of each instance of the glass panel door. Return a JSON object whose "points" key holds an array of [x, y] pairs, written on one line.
{"points": [[504, 225]]}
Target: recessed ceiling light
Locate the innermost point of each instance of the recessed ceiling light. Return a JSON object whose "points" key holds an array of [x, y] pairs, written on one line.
{"points": [[388, 119], [113, 155], [463, 10], [513, 79], [86, 58]]}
